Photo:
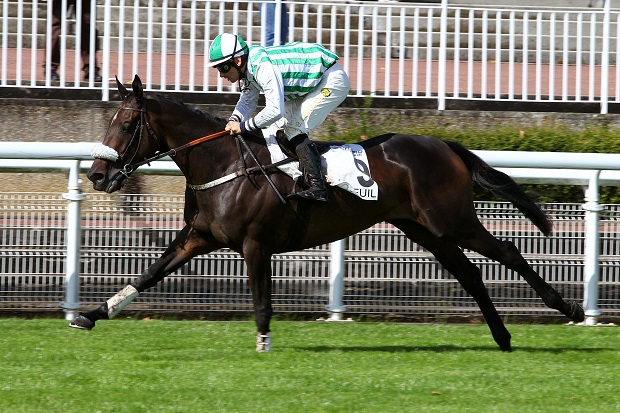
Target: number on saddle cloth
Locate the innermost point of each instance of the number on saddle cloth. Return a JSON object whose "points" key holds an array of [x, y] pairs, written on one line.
{"points": [[354, 176]]}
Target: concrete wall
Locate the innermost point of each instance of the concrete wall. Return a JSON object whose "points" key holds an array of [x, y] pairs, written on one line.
{"points": [[62, 120]]}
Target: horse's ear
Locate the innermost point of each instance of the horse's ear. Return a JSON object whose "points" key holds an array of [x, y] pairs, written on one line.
{"points": [[137, 88], [122, 90]]}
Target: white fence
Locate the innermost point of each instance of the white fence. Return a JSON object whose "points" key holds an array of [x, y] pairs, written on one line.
{"points": [[443, 52], [99, 244]]}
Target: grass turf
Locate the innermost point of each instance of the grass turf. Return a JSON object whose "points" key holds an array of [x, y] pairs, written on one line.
{"points": [[192, 366]]}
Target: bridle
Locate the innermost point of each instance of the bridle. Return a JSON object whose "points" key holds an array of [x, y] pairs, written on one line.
{"points": [[124, 172], [144, 122], [129, 167]]}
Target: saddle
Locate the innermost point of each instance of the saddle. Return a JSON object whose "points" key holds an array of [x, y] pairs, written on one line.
{"points": [[322, 146]]}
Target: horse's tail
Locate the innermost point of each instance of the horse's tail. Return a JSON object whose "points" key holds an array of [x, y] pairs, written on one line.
{"points": [[503, 186]]}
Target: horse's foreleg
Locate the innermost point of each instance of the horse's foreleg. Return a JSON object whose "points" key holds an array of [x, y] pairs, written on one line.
{"points": [[187, 245], [258, 262]]}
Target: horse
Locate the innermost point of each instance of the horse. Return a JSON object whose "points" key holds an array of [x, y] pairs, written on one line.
{"points": [[425, 189]]}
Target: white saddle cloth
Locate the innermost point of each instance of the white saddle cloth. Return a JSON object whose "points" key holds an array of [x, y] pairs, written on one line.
{"points": [[345, 166]]}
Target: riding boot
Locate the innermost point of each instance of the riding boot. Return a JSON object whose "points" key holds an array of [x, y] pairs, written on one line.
{"points": [[310, 161]]}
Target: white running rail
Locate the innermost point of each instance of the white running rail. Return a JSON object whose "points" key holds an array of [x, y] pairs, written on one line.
{"points": [[586, 169]]}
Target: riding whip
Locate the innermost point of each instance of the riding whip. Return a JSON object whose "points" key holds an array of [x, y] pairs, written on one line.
{"points": [[260, 166]]}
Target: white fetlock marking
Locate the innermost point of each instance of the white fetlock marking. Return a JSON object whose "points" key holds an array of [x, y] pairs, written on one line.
{"points": [[263, 342], [121, 300]]}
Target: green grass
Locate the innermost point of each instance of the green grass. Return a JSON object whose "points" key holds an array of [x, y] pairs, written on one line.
{"points": [[127, 365]]}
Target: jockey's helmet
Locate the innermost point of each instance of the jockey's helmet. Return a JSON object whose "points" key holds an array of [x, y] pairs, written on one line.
{"points": [[226, 46]]}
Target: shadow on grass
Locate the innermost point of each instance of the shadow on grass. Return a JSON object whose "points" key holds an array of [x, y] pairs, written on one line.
{"points": [[449, 349]]}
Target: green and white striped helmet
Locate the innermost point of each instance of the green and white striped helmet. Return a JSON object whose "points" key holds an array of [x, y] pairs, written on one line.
{"points": [[224, 47]]}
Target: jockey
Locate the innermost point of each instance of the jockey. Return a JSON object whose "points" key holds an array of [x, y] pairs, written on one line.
{"points": [[302, 84]]}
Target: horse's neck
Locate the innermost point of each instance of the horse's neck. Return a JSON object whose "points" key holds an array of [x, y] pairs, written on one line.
{"points": [[204, 161], [211, 159], [180, 125]]}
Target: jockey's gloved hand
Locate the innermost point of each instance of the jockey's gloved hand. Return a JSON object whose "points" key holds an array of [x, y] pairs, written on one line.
{"points": [[233, 127]]}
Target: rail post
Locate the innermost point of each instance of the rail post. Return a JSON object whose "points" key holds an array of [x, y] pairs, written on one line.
{"points": [[591, 267], [336, 308], [74, 195], [105, 68], [443, 44], [605, 59]]}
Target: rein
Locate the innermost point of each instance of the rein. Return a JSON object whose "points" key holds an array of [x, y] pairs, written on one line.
{"points": [[129, 168]]}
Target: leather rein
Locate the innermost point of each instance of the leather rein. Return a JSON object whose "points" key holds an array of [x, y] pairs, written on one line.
{"points": [[129, 168]]}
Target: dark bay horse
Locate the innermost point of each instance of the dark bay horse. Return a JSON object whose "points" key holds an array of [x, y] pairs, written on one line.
{"points": [[425, 190]]}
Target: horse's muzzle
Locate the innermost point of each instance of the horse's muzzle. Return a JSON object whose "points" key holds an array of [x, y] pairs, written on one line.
{"points": [[116, 183], [99, 174]]}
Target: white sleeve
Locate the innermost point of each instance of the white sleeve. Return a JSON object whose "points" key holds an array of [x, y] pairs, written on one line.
{"points": [[246, 104], [270, 80]]}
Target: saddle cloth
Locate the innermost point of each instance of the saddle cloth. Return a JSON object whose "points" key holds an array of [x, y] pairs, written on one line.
{"points": [[345, 166]]}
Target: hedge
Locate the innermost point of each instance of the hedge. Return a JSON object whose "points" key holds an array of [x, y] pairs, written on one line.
{"points": [[600, 138]]}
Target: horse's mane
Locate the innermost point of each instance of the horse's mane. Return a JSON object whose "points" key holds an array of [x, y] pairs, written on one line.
{"points": [[206, 115]]}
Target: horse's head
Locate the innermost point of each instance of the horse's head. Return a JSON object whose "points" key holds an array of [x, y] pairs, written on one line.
{"points": [[130, 139]]}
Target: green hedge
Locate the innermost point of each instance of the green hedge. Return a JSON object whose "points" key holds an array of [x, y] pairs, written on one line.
{"points": [[600, 138]]}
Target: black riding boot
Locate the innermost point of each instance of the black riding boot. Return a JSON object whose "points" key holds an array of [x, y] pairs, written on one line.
{"points": [[310, 161]]}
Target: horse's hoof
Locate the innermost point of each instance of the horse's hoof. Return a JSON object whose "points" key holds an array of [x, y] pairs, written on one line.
{"points": [[263, 342], [575, 312], [82, 323], [506, 347]]}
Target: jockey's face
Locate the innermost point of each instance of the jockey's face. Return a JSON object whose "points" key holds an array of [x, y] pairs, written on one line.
{"points": [[228, 70]]}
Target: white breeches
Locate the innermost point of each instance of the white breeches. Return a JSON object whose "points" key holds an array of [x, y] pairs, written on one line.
{"points": [[304, 114]]}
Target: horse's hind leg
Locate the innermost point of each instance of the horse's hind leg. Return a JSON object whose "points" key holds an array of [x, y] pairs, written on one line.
{"points": [[506, 253], [187, 245], [467, 274]]}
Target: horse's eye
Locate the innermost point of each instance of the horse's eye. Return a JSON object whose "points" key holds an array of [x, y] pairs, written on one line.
{"points": [[125, 127]]}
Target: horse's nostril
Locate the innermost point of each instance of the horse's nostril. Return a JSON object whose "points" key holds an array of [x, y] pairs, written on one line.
{"points": [[94, 177]]}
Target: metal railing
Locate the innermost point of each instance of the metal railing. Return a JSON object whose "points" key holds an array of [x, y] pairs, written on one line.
{"points": [[444, 52], [122, 235], [45, 259]]}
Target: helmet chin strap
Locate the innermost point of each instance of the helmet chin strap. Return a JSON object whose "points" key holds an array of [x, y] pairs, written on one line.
{"points": [[241, 73]]}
